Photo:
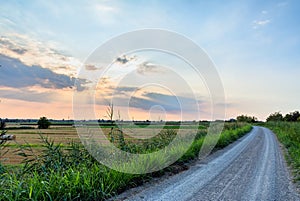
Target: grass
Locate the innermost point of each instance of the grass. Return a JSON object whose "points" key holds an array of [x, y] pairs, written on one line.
{"points": [[288, 133], [71, 173]]}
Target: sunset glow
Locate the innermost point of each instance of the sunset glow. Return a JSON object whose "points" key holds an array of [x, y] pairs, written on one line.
{"points": [[44, 45]]}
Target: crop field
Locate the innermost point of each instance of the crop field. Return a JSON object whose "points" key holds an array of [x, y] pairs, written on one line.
{"points": [[63, 135], [31, 138]]}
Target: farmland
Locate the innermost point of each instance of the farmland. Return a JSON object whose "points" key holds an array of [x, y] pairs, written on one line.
{"points": [[62, 169], [30, 136]]}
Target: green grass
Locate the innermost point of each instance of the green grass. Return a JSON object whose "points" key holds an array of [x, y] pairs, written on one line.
{"points": [[71, 173], [288, 133]]}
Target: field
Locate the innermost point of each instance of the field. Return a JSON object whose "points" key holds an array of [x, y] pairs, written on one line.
{"points": [[57, 167], [30, 136]]}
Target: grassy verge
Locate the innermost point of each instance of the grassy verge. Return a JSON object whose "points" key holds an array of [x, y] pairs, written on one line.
{"points": [[70, 173], [288, 133]]}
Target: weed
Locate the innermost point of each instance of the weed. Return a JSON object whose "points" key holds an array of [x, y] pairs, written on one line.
{"points": [[288, 133]]}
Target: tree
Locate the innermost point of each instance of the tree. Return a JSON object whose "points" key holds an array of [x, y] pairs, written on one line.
{"points": [[277, 116], [43, 123], [245, 118], [2, 124], [292, 116]]}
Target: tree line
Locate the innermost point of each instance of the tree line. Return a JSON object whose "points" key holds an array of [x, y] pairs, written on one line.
{"points": [[276, 116], [290, 117]]}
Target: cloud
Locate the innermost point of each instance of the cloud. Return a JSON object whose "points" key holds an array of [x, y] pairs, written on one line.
{"points": [[170, 103], [260, 23], [124, 59], [104, 8], [105, 14], [15, 74], [5, 42], [91, 67], [26, 95], [32, 52], [124, 89], [282, 4], [147, 67], [136, 97], [264, 12]]}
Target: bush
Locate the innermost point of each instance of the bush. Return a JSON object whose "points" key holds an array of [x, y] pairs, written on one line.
{"points": [[292, 116], [277, 116], [247, 119], [43, 123]]}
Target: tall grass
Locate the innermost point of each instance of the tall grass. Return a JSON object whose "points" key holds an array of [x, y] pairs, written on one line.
{"points": [[288, 133], [71, 173]]}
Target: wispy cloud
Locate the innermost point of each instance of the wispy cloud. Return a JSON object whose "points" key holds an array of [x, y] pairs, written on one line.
{"points": [[125, 89], [282, 4], [105, 12], [27, 95], [260, 23], [104, 8], [147, 67], [91, 67]]}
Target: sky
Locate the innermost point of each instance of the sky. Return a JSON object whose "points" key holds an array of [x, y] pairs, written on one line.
{"points": [[44, 45]]}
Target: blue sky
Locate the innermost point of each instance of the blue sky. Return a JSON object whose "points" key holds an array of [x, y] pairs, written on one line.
{"points": [[255, 46]]}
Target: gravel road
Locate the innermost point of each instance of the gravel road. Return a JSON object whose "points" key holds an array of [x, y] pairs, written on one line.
{"points": [[252, 168]]}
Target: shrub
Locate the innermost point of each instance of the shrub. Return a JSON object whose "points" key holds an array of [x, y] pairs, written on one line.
{"points": [[277, 116], [245, 118], [43, 123]]}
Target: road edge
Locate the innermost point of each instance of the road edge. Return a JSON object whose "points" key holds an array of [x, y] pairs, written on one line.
{"points": [[285, 154]]}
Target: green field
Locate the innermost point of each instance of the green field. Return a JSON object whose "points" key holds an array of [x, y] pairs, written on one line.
{"points": [[50, 171]]}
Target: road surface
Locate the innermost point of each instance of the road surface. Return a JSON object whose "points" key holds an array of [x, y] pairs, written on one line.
{"points": [[252, 168]]}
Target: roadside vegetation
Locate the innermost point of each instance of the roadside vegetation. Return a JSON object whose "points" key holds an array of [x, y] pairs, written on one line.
{"points": [[287, 130], [71, 173]]}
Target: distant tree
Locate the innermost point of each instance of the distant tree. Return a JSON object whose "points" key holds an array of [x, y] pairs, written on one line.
{"points": [[2, 124], [232, 120], [245, 118], [292, 116], [43, 123], [277, 116]]}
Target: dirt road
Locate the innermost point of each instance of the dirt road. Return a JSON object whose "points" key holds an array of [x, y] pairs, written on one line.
{"points": [[252, 168]]}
